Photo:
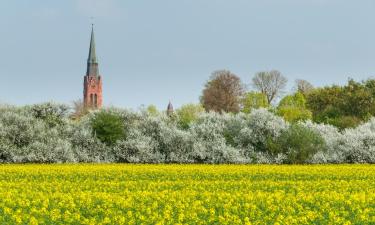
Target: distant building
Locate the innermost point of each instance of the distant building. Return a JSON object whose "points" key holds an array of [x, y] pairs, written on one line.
{"points": [[170, 109], [92, 85]]}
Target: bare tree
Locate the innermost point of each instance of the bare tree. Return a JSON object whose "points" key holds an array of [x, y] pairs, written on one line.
{"points": [[304, 86], [79, 109], [271, 83], [222, 92]]}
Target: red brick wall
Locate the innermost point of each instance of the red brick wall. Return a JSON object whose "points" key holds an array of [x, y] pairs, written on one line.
{"points": [[92, 91]]}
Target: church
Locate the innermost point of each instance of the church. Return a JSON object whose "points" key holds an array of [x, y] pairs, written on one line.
{"points": [[92, 81]]}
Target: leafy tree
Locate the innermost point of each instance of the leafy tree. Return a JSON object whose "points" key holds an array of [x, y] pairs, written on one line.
{"points": [[296, 100], [223, 92], [271, 83], [343, 106], [152, 110], [293, 108], [254, 100], [189, 113], [108, 127]]}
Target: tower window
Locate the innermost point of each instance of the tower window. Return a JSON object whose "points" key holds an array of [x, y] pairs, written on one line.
{"points": [[91, 99]]}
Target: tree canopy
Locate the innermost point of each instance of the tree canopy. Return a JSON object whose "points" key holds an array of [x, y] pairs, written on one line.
{"points": [[223, 92]]}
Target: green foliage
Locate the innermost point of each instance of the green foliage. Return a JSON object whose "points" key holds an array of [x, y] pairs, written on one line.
{"points": [[189, 113], [343, 122], [296, 100], [254, 100], [293, 108], [294, 114], [298, 143], [152, 110], [108, 127], [345, 106]]}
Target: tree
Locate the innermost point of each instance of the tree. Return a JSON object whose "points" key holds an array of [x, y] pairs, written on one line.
{"points": [[223, 92], [108, 127], [304, 86], [343, 106], [270, 83], [79, 109], [188, 114], [152, 110], [254, 100], [293, 108]]}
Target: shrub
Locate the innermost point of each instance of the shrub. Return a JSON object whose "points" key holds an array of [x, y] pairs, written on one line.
{"points": [[209, 142], [298, 143], [51, 113], [343, 122], [259, 127], [108, 127], [117, 135]]}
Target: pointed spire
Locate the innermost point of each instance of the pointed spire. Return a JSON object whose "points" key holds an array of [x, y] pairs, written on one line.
{"points": [[92, 62], [170, 109], [92, 53]]}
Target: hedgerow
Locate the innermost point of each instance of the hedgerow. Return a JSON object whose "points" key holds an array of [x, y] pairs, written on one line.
{"points": [[45, 133]]}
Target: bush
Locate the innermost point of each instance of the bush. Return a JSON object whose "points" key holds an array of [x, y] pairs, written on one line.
{"points": [[51, 113], [209, 143], [108, 127], [345, 122], [298, 143], [116, 135], [258, 128]]}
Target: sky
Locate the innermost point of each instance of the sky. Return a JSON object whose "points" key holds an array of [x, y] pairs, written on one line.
{"points": [[151, 52]]}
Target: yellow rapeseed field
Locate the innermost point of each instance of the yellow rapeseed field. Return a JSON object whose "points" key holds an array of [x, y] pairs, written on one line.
{"points": [[187, 194]]}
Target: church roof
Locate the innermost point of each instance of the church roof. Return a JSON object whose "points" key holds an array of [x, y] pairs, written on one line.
{"points": [[170, 106], [92, 53]]}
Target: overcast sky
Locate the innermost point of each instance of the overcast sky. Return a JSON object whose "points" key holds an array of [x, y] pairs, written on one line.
{"points": [[151, 52]]}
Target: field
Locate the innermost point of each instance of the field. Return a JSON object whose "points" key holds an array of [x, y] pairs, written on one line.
{"points": [[187, 194]]}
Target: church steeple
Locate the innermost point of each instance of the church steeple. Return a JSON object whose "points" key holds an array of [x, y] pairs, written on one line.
{"points": [[92, 53], [92, 61], [170, 109], [92, 82]]}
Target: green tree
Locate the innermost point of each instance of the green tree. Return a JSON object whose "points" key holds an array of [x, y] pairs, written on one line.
{"points": [[189, 113], [343, 106], [108, 127], [254, 100], [152, 110], [293, 108]]}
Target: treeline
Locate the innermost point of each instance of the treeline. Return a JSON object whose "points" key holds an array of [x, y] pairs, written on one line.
{"points": [[46, 133], [342, 106]]}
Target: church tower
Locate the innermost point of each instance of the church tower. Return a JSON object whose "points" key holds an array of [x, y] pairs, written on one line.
{"points": [[92, 83]]}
